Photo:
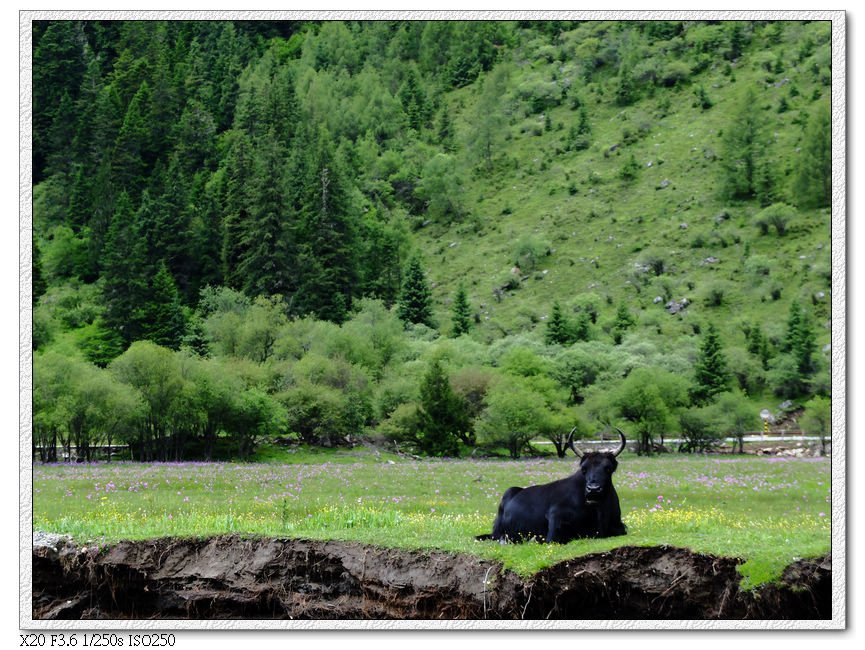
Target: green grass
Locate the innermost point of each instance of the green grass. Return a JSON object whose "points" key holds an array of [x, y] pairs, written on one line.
{"points": [[766, 512]]}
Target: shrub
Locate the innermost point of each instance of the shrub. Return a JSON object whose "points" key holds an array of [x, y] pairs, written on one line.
{"points": [[777, 216], [675, 73], [528, 250], [514, 414], [699, 430]]}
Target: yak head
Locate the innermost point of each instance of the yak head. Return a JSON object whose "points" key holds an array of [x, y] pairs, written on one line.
{"points": [[597, 468]]}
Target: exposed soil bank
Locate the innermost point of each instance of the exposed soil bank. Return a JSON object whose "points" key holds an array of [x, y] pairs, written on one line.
{"points": [[234, 578]]}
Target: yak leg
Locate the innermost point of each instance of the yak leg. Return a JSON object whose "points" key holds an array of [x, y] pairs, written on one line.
{"points": [[610, 523], [555, 522]]}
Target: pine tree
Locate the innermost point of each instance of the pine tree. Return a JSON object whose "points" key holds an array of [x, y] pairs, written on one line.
{"points": [[813, 184], [443, 414], [327, 237], [742, 149], [558, 328], [758, 345], [238, 173], [414, 101], [124, 272], [58, 68], [264, 246], [711, 376], [488, 120], [128, 163], [446, 131], [171, 233], [800, 340], [162, 315], [461, 312], [583, 126], [626, 87], [623, 321], [415, 300]]}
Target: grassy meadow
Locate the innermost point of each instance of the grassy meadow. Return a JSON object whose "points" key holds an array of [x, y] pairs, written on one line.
{"points": [[768, 511]]}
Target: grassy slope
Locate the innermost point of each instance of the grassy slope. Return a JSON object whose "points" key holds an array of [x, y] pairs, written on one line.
{"points": [[600, 233]]}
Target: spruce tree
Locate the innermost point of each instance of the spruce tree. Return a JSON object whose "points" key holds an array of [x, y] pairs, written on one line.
{"points": [[742, 149], [128, 162], [238, 174], [443, 414], [162, 316], [124, 272], [623, 321], [415, 301], [328, 237], [558, 328], [758, 345], [711, 376], [583, 126], [264, 246], [813, 181], [414, 101], [800, 340], [461, 312]]}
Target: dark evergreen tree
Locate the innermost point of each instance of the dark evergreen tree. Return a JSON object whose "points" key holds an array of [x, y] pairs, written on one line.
{"points": [[58, 68], [443, 416], [758, 345], [170, 226], [162, 315], [59, 157], [125, 272], [89, 145], [626, 87], [583, 126], [281, 110], [743, 148], [813, 181], [581, 327], [207, 235], [446, 131], [415, 300], [737, 41], [382, 245], [237, 208], [128, 163], [265, 261], [558, 327], [195, 138], [800, 340], [80, 201], [462, 322], [328, 238], [623, 321], [414, 100], [711, 376]]}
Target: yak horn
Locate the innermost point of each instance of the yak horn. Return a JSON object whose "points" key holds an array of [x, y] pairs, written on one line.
{"points": [[570, 444], [622, 447]]}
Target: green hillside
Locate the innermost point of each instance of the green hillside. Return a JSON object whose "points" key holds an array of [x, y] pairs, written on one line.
{"points": [[248, 196]]}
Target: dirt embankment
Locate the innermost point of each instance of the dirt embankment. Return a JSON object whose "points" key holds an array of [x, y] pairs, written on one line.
{"points": [[234, 578]]}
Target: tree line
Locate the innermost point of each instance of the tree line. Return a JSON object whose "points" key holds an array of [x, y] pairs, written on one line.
{"points": [[253, 375]]}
